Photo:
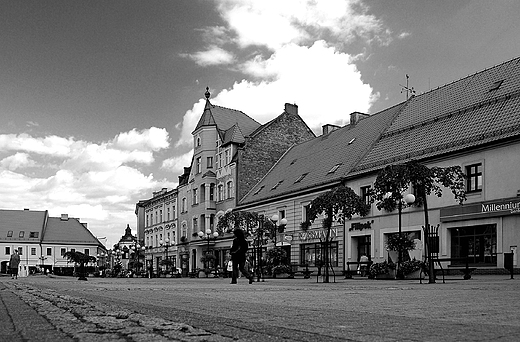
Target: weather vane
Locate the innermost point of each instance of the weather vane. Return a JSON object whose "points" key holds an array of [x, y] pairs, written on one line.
{"points": [[407, 89]]}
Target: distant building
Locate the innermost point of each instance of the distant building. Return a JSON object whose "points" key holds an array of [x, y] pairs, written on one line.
{"points": [[42, 240]]}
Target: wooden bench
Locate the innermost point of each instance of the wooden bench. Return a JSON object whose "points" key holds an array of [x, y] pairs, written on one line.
{"points": [[349, 272], [465, 269]]}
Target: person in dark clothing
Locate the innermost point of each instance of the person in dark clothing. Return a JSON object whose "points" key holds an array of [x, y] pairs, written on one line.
{"points": [[238, 256]]}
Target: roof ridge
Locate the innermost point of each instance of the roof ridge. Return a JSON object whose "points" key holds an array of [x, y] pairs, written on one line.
{"points": [[236, 110]]}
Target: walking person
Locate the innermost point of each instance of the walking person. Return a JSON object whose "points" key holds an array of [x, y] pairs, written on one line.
{"points": [[238, 256], [14, 262]]}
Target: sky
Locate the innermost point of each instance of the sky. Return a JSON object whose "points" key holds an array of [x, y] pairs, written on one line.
{"points": [[98, 98]]}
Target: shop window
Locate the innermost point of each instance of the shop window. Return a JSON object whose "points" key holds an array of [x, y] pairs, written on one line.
{"points": [[478, 243], [312, 254], [474, 178]]}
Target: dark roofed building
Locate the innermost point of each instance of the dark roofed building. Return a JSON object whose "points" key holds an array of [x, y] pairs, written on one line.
{"points": [[42, 240]]}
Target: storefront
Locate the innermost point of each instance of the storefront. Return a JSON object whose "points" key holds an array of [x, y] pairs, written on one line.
{"points": [[482, 231]]}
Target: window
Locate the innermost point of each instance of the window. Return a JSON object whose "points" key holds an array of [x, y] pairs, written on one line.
{"points": [[299, 179], [156, 217], [227, 157], [160, 216], [49, 251], [168, 213], [9, 234], [496, 85], [20, 250], [197, 142], [34, 234], [87, 251], [277, 184], [63, 251], [183, 207], [198, 165], [229, 190], [22, 233], [334, 168], [174, 213], [209, 162], [33, 251], [478, 243], [281, 214], [305, 212], [195, 225], [474, 178], [365, 194], [7, 250], [259, 189], [147, 223], [312, 253], [73, 250], [221, 192], [212, 192], [195, 196]]}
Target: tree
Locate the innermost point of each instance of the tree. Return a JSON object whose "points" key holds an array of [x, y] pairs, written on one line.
{"points": [[81, 259], [393, 180], [338, 204]]}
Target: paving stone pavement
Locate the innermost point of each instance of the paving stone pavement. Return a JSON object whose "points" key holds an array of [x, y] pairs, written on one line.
{"points": [[485, 308]]}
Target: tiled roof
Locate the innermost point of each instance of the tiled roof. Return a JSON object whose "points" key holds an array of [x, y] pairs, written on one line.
{"points": [[233, 135], [308, 165], [225, 118], [69, 231], [459, 115], [21, 220]]}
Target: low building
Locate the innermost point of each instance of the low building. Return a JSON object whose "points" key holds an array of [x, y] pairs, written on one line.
{"points": [[42, 240]]}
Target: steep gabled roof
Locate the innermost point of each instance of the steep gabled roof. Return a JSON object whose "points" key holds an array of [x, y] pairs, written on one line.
{"points": [[21, 220], [225, 118], [322, 160], [233, 135], [476, 110], [68, 231]]}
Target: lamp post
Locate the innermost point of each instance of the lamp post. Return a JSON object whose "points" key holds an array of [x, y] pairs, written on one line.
{"points": [[260, 240], [117, 254], [279, 228], [408, 200], [208, 236], [136, 249], [166, 244]]}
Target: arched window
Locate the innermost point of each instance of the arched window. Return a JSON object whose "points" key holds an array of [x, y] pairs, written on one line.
{"points": [[229, 190]]}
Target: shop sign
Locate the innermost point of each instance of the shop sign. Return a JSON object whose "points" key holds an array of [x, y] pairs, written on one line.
{"points": [[484, 209], [318, 234], [361, 226]]}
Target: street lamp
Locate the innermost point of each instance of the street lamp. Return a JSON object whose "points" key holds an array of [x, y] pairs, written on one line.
{"points": [[260, 240], [208, 236], [136, 249], [408, 200], [279, 228], [166, 244]]}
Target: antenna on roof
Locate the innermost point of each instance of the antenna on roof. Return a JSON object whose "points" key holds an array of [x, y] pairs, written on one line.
{"points": [[407, 89], [207, 93]]}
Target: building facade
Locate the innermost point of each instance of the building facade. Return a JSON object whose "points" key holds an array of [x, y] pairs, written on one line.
{"points": [[42, 241]]}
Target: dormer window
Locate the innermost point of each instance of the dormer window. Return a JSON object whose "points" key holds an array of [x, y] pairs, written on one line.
{"points": [[334, 168], [259, 189], [299, 179], [277, 184], [496, 85]]}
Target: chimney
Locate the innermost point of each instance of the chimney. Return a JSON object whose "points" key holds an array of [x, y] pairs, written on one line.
{"points": [[355, 117], [291, 109], [329, 128], [26, 209], [64, 217]]}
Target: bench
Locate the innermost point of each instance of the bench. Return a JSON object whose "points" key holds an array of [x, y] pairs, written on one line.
{"points": [[465, 269], [349, 272]]}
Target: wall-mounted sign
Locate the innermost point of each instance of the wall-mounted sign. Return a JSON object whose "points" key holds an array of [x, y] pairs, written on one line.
{"points": [[317, 234], [501, 207], [361, 225]]}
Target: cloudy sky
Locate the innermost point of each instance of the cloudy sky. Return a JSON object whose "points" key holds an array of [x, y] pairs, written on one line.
{"points": [[98, 98]]}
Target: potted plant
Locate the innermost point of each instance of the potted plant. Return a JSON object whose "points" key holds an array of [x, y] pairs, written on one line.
{"points": [[305, 225], [382, 270], [412, 268]]}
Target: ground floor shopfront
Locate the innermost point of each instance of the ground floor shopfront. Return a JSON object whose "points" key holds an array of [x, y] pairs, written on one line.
{"points": [[480, 232]]}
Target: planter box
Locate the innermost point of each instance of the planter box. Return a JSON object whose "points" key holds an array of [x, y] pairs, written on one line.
{"points": [[389, 275], [413, 275]]}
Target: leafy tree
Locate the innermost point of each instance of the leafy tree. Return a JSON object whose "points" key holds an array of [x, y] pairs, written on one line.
{"points": [[338, 204], [81, 259], [394, 180]]}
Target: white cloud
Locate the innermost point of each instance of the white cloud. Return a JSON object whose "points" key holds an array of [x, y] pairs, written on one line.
{"points": [[100, 182], [213, 56], [176, 165], [302, 67], [16, 161]]}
